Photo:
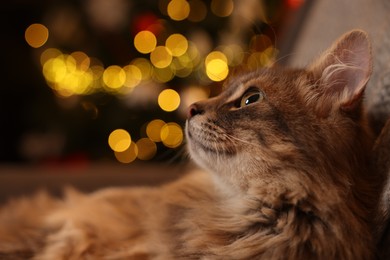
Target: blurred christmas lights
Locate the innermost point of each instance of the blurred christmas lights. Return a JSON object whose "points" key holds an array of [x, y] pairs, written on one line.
{"points": [[36, 35], [178, 10], [162, 55], [119, 140], [145, 42], [171, 135], [169, 100]]}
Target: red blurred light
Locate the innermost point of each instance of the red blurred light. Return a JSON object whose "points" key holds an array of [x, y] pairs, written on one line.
{"points": [[294, 4], [147, 21]]}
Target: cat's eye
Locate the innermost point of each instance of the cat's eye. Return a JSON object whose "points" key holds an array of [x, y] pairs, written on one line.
{"points": [[250, 97]]}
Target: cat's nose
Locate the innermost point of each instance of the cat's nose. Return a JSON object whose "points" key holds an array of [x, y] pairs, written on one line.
{"points": [[193, 110]]}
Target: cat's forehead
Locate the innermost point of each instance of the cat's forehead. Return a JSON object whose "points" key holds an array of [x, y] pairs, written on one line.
{"points": [[239, 83], [268, 80]]}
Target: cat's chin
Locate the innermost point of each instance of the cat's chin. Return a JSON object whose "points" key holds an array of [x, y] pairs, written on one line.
{"points": [[202, 155], [197, 151]]}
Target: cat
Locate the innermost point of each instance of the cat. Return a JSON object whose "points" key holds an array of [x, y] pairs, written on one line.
{"points": [[285, 158]]}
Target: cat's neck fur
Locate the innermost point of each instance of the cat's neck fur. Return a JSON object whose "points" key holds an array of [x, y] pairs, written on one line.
{"points": [[310, 219], [295, 184]]}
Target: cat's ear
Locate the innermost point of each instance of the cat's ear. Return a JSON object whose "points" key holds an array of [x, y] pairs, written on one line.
{"points": [[343, 72]]}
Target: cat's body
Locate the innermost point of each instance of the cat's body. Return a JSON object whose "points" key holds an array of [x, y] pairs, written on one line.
{"points": [[287, 154]]}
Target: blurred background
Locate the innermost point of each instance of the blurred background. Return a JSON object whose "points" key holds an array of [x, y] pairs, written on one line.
{"points": [[94, 93], [95, 80]]}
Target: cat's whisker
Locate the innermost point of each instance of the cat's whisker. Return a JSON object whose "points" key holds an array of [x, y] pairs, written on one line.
{"points": [[240, 140]]}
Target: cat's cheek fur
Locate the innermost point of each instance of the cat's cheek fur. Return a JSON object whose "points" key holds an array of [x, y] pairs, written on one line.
{"points": [[226, 168]]}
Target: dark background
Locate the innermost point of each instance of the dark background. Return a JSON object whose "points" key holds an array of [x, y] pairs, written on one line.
{"points": [[64, 130]]}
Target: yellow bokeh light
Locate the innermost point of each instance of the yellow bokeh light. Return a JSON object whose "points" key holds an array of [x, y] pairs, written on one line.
{"points": [[48, 54], [169, 100], [36, 35], [133, 76], [217, 70], [216, 66], [161, 57], [171, 135], [222, 8], [163, 75], [216, 55], [82, 60], [76, 82], [262, 59], [114, 77], [259, 43], [193, 54], [144, 66], [178, 10], [65, 75], [234, 54], [181, 67], [146, 149], [177, 44], [153, 130], [128, 155], [97, 71], [119, 140], [145, 42], [70, 63], [54, 69]]}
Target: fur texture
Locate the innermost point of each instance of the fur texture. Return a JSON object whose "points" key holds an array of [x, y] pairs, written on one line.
{"points": [[286, 153]]}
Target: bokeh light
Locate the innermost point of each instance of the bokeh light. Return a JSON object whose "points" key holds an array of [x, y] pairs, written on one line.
{"points": [[163, 75], [259, 43], [36, 35], [181, 67], [133, 76], [164, 56], [114, 77], [128, 155], [169, 100], [161, 57], [146, 149], [216, 66], [153, 130], [66, 74], [144, 66], [48, 54], [55, 69], [171, 135], [295, 4], [119, 140], [82, 60], [177, 44], [234, 54], [222, 8], [178, 10], [262, 59], [145, 42]]}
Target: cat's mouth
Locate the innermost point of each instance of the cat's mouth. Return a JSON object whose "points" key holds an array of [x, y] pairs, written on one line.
{"points": [[195, 142], [209, 139]]}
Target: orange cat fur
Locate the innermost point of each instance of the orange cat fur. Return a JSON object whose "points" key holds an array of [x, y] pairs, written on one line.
{"points": [[285, 153]]}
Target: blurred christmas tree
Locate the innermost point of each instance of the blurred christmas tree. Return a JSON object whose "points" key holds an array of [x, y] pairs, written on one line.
{"points": [[100, 79]]}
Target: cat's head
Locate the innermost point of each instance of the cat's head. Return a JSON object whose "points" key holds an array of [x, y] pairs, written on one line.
{"points": [[277, 120]]}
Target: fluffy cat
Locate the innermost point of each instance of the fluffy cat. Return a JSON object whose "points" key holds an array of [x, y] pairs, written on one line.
{"points": [[286, 154]]}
